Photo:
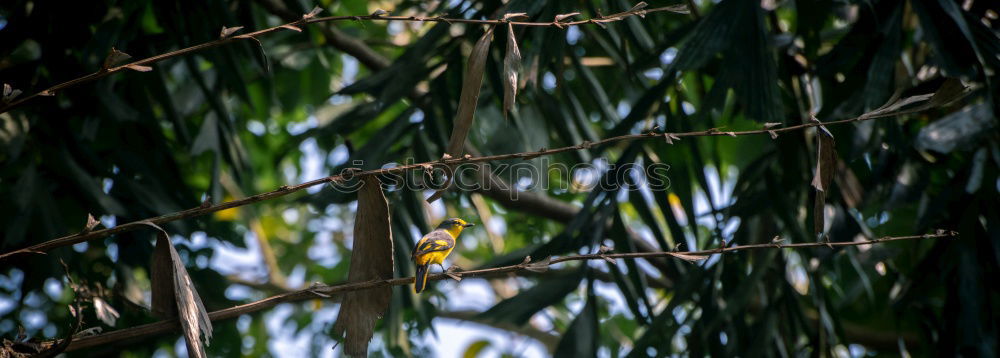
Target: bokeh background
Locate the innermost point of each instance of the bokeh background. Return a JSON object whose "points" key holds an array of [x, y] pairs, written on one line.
{"points": [[245, 118]]}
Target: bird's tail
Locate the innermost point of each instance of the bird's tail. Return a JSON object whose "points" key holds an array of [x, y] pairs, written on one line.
{"points": [[420, 280]]}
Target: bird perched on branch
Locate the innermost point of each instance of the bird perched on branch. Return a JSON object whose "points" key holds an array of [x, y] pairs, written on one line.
{"points": [[434, 247]]}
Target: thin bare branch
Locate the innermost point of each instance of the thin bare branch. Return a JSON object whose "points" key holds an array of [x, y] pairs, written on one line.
{"points": [[443, 163], [323, 291], [227, 38]]}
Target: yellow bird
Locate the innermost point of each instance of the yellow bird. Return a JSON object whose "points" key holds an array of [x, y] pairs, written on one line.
{"points": [[434, 247]]}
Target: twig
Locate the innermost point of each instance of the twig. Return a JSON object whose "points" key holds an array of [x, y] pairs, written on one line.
{"points": [[311, 292], [76, 310], [289, 189], [143, 64]]}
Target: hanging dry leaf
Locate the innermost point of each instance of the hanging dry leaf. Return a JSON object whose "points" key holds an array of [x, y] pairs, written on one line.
{"points": [[174, 294], [467, 101], [371, 259], [826, 161], [162, 282], [511, 67], [114, 58], [227, 31], [471, 85]]}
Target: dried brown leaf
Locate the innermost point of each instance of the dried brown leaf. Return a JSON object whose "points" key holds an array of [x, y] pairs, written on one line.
{"points": [[164, 303], [174, 294], [467, 101], [507, 17], [561, 17], [951, 90], [315, 11], [511, 68], [471, 85], [637, 9], [371, 259], [686, 257], [227, 31], [91, 223], [894, 105], [114, 58], [826, 161]]}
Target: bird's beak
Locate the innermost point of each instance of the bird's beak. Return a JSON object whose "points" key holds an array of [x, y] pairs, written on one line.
{"points": [[468, 225]]}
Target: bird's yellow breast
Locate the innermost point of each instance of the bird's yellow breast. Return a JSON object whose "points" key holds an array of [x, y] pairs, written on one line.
{"points": [[431, 258]]}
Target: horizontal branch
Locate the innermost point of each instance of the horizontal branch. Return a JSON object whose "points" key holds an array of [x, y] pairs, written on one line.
{"points": [[324, 291], [143, 64], [443, 163]]}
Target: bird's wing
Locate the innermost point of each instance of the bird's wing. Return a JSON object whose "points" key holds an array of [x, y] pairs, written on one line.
{"points": [[437, 240]]}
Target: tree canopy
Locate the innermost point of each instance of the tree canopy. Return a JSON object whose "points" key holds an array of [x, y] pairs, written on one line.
{"points": [[731, 177]]}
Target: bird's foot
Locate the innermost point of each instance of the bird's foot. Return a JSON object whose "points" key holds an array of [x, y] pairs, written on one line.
{"points": [[452, 272]]}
